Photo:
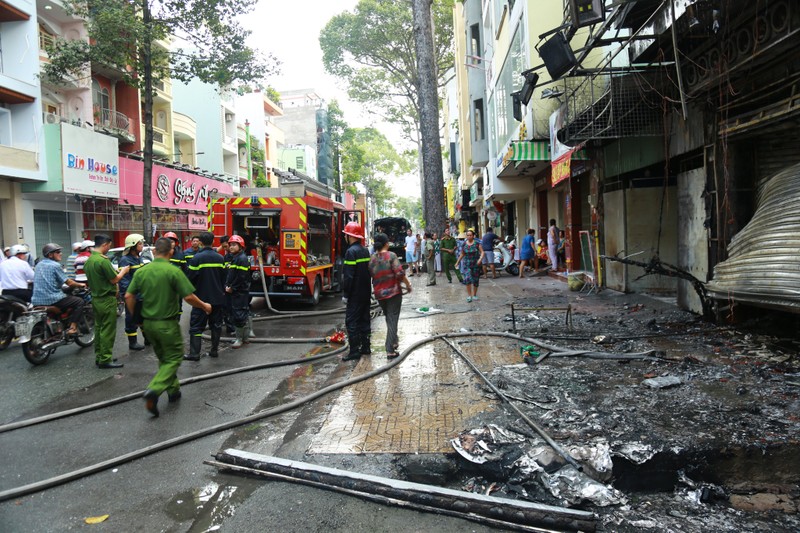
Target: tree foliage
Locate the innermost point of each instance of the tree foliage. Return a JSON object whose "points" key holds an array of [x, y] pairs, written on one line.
{"points": [[367, 158], [372, 49], [132, 38], [210, 41], [257, 158]]}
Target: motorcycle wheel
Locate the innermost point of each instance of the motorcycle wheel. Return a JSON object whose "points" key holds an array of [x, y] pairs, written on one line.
{"points": [[513, 269], [32, 350], [86, 324], [6, 338]]}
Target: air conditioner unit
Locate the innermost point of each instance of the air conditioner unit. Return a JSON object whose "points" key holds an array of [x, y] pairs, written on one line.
{"points": [[51, 118], [228, 117]]}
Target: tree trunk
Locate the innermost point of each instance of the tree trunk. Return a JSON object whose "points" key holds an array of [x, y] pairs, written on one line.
{"points": [[433, 191], [147, 176]]}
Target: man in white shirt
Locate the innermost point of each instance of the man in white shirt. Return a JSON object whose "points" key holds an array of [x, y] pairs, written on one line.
{"points": [[411, 248], [16, 274]]}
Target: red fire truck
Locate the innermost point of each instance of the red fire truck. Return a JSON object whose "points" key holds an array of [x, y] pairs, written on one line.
{"points": [[297, 229]]}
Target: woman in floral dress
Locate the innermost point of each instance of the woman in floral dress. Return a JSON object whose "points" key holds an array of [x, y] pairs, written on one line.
{"points": [[472, 257]]}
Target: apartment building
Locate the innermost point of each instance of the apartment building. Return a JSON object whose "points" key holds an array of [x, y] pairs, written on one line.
{"points": [[21, 139]]}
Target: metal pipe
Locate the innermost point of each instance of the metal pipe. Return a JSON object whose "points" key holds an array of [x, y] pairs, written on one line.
{"points": [[542, 433]]}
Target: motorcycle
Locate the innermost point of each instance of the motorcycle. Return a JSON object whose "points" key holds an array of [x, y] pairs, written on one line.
{"points": [[11, 308], [43, 329], [504, 256]]}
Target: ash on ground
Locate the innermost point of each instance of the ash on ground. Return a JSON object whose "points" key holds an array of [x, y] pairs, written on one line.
{"points": [[703, 438]]}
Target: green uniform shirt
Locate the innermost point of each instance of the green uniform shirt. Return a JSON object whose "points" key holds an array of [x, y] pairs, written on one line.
{"points": [[99, 273], [449, 243], [162, 288]]}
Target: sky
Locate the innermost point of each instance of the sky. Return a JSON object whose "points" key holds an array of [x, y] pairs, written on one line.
{"points": [[290, 30]]}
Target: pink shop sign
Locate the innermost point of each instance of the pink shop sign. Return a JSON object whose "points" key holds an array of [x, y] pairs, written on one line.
{"points": [[171, 189]]}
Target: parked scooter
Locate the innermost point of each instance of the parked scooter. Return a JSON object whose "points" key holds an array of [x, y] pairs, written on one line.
{"points": [[43, 329], [504, 256], [11, 308]]}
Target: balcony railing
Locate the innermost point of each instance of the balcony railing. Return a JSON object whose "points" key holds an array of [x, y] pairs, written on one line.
{"points": [[45, 40], [114, 119]]}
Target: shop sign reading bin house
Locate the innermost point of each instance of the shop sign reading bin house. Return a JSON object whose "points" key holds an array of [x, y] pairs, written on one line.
{"points": [[90, 164]]}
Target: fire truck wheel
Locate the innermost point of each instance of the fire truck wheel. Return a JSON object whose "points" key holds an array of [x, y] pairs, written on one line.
{"points": [[316, 291]]}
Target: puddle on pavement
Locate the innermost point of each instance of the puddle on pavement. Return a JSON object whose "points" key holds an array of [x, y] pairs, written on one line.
{"points": [[209, 506]]}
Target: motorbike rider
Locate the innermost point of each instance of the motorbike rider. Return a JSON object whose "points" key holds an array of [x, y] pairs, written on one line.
{"points": [[47, 281], [132, 257], [16, 274]]}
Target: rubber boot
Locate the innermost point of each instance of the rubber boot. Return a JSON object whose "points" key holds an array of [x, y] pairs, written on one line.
{"points": [[133, 343], [195, 343], [215, 336], [250, 333], [241, 334], [365, 348], [355, 349]]}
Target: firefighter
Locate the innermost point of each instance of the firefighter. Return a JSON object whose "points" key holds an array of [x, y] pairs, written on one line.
{"points": [[237, 287], [177, 258], [193, 248], [131, 256], [161, 288], [356, 291], [207, 273]]}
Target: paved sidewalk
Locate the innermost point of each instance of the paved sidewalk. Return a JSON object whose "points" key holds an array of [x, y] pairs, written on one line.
{"points": [[418, 406]]}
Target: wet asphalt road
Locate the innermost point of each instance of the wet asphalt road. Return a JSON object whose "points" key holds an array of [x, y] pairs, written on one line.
{"points": [[172, 490]]}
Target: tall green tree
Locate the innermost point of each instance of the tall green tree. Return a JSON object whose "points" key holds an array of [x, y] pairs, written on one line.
{"points": [[367, 159], [371, 49], [433, 193], [132, 37]]}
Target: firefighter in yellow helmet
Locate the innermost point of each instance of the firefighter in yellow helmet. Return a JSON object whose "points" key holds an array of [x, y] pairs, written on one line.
{"points": [[132, 257]]}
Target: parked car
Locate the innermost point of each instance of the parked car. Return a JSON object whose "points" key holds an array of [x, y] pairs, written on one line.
{"points": [[115, 254]]}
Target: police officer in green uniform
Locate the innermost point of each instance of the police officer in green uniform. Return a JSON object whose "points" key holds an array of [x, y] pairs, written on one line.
{"points": [[161, 287], [103, 279]]}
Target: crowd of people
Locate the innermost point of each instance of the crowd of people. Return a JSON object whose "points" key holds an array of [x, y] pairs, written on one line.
{"points": [[215, 282]]}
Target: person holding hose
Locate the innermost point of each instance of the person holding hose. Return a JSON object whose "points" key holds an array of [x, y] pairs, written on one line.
{"points": [[356, 292]]}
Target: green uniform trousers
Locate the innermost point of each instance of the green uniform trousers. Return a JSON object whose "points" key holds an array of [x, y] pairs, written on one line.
{"points": [[448, 262], [105, 328], [167, 341]]}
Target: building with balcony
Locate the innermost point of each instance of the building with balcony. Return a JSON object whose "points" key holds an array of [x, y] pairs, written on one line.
{"points": [[21, 140], [257, 112]]}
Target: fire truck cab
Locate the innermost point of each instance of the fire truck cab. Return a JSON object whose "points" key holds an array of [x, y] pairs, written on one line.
{"points": [[296, 230]]}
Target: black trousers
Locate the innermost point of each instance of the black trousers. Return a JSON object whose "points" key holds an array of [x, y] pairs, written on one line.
{"points": [[239, 308], [357, 319], [74, 303], [22, 294], [198, 319]]}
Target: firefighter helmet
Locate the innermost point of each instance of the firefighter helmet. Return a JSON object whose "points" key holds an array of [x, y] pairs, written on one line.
{"points": [[236, 239], [354, 229], [171, 235], [132, 240]]}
